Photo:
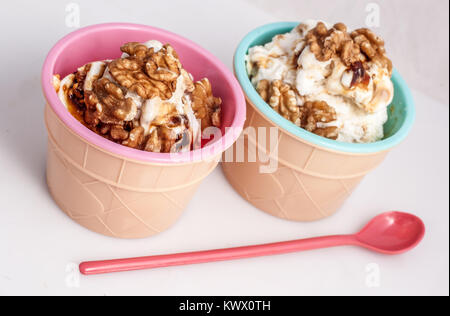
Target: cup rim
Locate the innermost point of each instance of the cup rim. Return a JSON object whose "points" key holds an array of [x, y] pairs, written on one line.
{"points": [[286, 125], [209, 151]]}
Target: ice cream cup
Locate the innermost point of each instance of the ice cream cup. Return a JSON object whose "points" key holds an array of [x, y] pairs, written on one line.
{"points": [[112, 189], [314, 175]]}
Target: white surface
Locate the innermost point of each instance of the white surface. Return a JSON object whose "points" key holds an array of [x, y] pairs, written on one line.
{"points": [[38, 242]]}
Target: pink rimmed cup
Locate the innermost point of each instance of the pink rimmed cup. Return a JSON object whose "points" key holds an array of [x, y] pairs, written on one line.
{"points": [[112, 189]]}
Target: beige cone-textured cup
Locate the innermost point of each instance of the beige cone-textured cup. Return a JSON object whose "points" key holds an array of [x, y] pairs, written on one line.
{"points": [[113, 195], [314, 175], [310, 182]]}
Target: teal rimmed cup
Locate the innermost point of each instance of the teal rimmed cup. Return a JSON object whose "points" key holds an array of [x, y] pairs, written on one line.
{"points": [[314, 175]]}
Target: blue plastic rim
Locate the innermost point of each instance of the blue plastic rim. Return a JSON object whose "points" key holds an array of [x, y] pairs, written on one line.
{"points": [[401, 111]]}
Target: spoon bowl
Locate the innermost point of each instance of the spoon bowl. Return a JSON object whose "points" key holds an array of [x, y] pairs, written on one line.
{"points": [[392, 233]]}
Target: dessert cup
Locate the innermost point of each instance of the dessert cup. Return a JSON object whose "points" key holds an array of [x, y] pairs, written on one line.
{"points": [[112, 189], [315, 175]]}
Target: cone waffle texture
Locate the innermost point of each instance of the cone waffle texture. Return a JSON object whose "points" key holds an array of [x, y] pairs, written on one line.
{"points": [[113, 195], [310, 182]]}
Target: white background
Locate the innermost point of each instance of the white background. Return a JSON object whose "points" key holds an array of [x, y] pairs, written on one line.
{"points": [[38, 242]]}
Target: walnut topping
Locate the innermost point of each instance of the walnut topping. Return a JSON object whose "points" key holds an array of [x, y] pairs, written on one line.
{"points": [[373, 47], [129, 74], [315, 113], [330, 132], [145, 84], [135, 138], [146, 72], [314, 61], [163, 65], [117, 132], [166, 131], [263, 88], [361, 45], [282, 98], [76, 92], [154, 143], [138, 50], [350, 54], [207, 108], [161, 140], [109, 102], [311, 116], [341, 27], [325, 43]]}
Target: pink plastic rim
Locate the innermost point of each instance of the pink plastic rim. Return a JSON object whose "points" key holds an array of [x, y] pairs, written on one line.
{"points": [[102, 41]]}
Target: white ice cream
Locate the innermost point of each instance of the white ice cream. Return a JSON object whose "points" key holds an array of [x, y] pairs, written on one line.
{"points": [[361, 111], [62, 87]]}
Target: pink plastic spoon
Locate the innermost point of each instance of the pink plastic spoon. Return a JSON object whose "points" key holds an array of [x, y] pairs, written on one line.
{"points": [[389, 233]]}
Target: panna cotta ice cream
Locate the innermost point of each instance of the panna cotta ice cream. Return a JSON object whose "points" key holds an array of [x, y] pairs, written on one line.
{"points": [[144, 100], [327, 80]]}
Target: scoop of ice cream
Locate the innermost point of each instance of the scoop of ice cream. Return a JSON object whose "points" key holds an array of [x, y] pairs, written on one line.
{"points": [[274, 61], [348, 70], [142, 100]]}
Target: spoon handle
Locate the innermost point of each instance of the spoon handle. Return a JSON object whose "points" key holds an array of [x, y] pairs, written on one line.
{"points": [[131, 264]]}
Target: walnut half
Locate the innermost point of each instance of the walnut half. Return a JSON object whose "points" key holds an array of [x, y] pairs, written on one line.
{"points": [[362, 45], [282, 98], [310, 116], [207, 108], [109, 103], [146, 72], [314, 113]]}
